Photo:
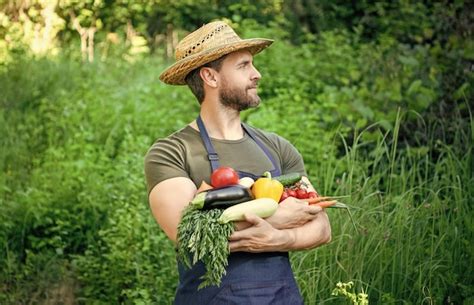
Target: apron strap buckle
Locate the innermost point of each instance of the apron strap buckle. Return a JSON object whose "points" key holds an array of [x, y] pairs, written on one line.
{"points": [[213, 157]]}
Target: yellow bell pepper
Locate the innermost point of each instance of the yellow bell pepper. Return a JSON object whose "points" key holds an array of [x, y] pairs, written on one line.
{"points": [[266, 187]]}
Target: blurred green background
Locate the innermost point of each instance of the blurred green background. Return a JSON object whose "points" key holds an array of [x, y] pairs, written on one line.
{"points": [[378, 98]]}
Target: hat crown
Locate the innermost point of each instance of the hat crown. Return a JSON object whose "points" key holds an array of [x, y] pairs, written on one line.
{"points": [[208, 43], [209, 36]]}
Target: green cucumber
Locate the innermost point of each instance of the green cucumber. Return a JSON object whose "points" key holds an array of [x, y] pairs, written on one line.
{"points": [[288, 179]]}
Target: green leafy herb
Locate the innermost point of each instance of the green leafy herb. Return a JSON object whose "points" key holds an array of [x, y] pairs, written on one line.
{"points": [[202, 238]]}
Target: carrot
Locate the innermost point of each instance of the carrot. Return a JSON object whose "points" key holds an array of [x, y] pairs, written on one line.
{"points": [[326, 204], [204, 187], [315, 200]]}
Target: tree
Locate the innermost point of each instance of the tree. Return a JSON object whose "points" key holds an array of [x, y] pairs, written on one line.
{"points": [[33, 25]]}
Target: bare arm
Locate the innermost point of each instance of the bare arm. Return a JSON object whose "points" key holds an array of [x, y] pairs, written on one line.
{"points": [[294, 226], [261, 236], [167, 201]]}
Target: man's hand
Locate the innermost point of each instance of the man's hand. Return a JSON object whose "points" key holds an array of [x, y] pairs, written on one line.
{"points": [[293, 213], [258, 235], [261, 236], [294, 226]]}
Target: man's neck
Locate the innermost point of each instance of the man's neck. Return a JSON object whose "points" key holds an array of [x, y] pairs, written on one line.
{"points": [[221, 123]]}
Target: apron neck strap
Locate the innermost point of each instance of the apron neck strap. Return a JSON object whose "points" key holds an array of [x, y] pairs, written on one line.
{"points": [[211, 153], [214, 158], [276, 169]]}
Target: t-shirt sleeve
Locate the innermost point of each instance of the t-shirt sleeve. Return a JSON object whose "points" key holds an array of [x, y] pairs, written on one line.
{"points": [[292, 161], [164, 160]]}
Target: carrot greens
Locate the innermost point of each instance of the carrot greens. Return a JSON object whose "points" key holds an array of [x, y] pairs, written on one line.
{"points": [[202, 238]]}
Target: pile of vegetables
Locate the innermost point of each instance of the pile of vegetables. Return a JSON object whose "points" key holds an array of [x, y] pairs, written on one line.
{"points": [[300, 190], [207, 222]]}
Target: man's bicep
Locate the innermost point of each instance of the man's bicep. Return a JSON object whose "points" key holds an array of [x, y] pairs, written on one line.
{"points": [[167, 201]]}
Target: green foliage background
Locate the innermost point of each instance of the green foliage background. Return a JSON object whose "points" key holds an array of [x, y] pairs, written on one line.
{"points": [[377, 98]]}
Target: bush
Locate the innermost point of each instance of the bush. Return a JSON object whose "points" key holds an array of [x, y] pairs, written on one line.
{"points": [[73, 205]]}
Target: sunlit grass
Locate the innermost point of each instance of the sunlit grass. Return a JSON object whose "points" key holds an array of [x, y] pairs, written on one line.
{"points": [[412, 212]]}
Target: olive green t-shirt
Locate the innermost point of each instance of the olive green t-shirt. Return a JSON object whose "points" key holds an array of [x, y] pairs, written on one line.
{"points": [[183, 154]]}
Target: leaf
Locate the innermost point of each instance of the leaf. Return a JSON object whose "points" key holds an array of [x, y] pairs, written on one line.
{"points": [[408, 61], [364, 110], [461, 91], [414, 87]]}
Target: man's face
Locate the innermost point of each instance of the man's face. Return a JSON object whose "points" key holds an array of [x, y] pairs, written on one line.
{"points": [[238, 82]]}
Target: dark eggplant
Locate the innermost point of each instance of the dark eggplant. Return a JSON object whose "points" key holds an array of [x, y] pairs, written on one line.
{"points": [[222, 198]]}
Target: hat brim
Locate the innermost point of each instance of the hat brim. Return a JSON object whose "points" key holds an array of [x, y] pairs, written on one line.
{"points": [[176, 73]]}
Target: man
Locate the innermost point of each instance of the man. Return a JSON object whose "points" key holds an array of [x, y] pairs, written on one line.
{"points": [[218, 67]]}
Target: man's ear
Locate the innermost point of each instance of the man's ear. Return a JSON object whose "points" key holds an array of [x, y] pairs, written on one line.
{"points": [[209, 76]]}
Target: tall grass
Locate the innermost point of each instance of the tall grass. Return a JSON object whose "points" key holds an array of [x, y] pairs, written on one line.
{"points": [[75, 225], [73, 207], [413, 211]]}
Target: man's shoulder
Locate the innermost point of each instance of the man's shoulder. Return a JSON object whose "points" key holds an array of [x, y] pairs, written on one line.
{"points": [[176, 141], [177, 137], [267, 135]]}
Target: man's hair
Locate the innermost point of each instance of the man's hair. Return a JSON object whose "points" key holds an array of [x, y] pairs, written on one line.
{"points": [[195, 82]]}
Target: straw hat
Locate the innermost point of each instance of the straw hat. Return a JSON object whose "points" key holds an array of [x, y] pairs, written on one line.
{"points": [[210, 42]]}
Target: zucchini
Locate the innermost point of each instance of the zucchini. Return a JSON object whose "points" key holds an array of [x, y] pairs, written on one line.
{"points": [[263, 207], [288, 179], [222, 198]]}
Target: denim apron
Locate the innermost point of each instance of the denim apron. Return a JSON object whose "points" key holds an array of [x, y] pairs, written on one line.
{"points": [[251, 278]]}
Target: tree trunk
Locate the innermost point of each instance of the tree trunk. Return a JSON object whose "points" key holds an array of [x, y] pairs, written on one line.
{"points": [[87, 38], [90, 45], [83, 34], [48, 31], [169, 41]]}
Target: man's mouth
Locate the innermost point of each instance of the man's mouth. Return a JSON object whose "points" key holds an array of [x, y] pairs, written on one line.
{"points": [[253, 86]]}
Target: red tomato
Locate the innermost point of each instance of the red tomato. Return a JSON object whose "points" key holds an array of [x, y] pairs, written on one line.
{"points": [[301, 194], [224, 176], [284, 195], [292, 193], [312, 195]]}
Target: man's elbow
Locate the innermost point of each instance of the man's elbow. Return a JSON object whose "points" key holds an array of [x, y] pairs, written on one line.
{"points": [[326, 235]]}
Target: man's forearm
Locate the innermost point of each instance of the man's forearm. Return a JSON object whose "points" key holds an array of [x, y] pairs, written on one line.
{"points": [[310, 235], [261, 236]]}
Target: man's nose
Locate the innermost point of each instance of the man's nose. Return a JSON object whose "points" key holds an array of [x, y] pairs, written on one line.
{"points": [[255, 74]]}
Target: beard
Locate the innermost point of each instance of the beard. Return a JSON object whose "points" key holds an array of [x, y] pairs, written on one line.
{"points": [[239, 98]]}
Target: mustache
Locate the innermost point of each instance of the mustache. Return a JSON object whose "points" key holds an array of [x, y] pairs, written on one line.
{"points": [[253, 86]]}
